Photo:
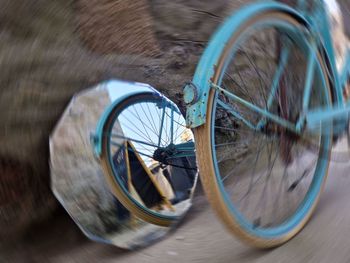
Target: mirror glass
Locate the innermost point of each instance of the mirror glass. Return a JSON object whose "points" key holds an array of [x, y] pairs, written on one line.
{"points": [[141, 181]]}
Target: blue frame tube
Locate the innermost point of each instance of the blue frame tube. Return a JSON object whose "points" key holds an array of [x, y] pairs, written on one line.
{"points": [[263, 112], [161, 128], [172, 127], [284, 57], [309, 77]]}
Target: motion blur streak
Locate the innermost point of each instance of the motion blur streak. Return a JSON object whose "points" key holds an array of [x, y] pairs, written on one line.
{"points": [[49, 50]]}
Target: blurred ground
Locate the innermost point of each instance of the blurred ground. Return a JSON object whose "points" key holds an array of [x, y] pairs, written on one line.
{"points": [[202, 238]]}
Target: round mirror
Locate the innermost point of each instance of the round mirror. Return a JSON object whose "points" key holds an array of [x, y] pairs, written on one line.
{"points": [[136, 177]]}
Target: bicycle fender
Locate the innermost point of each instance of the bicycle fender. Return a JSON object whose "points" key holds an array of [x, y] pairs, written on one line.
{"points": [[197, 110]]}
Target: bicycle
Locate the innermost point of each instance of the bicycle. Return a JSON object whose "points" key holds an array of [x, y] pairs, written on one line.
{"points": [[266, 102], [147, 154]]}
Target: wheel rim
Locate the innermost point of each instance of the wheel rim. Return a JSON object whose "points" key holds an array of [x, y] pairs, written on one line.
{"points": [[135, 128], [255, 226]]}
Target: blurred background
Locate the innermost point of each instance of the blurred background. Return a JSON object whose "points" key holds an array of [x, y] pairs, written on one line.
{"points": [[49, 50]]}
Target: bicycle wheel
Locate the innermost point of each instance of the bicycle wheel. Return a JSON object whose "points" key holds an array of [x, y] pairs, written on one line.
{"points": [[263, 180], [148, 158]]}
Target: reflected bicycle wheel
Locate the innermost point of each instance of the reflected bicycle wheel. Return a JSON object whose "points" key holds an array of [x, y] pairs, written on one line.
{"points": [[148, 158]]}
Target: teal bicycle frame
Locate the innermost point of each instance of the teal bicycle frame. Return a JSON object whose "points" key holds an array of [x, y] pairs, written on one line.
{"points": [[319, 39]]}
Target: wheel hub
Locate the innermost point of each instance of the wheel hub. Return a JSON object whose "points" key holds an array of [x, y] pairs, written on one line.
{"points": [[162, 154]]}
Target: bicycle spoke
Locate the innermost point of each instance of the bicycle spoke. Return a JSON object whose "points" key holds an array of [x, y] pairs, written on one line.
{"points": [[263, 83]]}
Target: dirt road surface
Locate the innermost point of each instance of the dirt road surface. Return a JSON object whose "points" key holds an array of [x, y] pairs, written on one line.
{"points": [[202, 238]]}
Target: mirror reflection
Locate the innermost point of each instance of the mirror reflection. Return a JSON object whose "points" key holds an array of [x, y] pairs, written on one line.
{"points": [[149, 153], [144, 178]]}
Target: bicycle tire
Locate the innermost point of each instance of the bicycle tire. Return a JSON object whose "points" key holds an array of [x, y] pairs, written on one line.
{"points": [[209, 174]]}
